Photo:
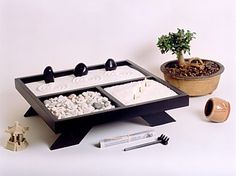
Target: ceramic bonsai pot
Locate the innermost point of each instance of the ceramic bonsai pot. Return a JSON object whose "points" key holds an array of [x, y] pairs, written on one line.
{"points": [[193, 86]]}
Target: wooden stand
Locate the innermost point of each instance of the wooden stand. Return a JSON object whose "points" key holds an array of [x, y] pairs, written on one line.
{"points": [[72, 130], [76, 135]]}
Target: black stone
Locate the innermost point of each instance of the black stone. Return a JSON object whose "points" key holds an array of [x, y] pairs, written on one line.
{"points": [[110, 65], [80, 70], [48, 75], [97, 105]]}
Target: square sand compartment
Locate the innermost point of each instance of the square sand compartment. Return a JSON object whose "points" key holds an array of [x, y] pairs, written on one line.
{"points": [[142, 91]]}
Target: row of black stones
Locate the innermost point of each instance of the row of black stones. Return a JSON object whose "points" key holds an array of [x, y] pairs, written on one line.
{"points": [[80, 70]]}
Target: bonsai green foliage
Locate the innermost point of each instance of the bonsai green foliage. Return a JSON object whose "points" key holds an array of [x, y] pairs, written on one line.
{"points": [[178, 43]]}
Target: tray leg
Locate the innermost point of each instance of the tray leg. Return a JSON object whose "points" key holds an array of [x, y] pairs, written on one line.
{"points": [[30, 112], [69, 138], [159, 118]]}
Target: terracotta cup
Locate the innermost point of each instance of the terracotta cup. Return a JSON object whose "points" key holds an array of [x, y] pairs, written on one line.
{"points": [[217, 110]]}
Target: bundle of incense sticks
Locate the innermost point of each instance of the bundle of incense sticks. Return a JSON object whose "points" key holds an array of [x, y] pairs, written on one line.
{"points": [[127, 138]]}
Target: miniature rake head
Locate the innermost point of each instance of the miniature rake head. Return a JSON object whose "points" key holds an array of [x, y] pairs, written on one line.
{"points": [[163, 139]]}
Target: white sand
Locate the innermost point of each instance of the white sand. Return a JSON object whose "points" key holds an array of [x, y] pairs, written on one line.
{"points": [[140, 91], [94, 77]]}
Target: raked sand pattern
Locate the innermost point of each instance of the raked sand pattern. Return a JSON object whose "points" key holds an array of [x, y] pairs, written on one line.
{"points": [[93, 78]]}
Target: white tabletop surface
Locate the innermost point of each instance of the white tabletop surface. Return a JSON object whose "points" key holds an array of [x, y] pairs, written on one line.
{"points": [[62, 34]]}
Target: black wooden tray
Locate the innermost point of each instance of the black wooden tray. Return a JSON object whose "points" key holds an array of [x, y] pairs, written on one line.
{"points": [[72, 130]]}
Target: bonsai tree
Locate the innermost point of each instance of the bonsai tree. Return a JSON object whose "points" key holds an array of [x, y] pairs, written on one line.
{"points": [[178, 43]]}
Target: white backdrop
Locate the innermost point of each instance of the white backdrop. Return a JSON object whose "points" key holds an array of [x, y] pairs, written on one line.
{"points": [[50, 32], [62, 33]]}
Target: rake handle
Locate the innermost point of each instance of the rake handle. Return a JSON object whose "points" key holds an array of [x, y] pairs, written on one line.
{"points": [[142, 145]]}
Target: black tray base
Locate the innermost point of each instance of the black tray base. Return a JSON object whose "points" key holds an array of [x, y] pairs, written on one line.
{"points": [[72, 137], [75, 136], [30, 112], [158, 118]]}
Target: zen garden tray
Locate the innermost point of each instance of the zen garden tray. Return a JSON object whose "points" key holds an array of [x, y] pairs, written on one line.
{"points": [[126, 92]]}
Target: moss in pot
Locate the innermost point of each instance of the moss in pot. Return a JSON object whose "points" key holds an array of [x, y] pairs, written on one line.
{"points": [[194, 76]]}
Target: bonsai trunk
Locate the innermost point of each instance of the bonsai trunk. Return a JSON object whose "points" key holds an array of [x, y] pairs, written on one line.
{"points": [[181, 59]]}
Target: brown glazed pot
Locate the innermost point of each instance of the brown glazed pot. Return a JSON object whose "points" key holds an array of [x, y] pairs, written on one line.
{"points": [[217, 110], [193, 86]]}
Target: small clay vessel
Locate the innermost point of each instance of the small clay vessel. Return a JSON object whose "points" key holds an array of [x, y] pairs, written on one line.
{"points": [[217, 110]]}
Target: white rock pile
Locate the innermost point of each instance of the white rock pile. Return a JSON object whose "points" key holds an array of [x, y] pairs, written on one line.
{"points": [[74, 105]]}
